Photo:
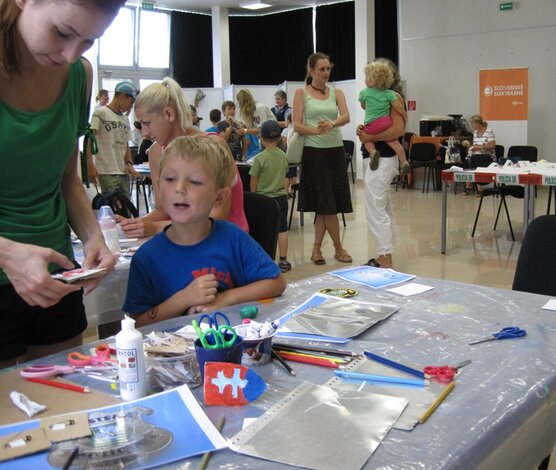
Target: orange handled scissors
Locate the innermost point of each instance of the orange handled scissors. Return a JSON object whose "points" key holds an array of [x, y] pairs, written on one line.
{"points": [[101, 357]]}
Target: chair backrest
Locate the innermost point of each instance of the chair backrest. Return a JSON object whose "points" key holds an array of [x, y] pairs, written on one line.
{"points": [[244, 169], [349, 147], [117, 201], [536, 264], [422, 152], [263, 216], [499, 151], [479, 160], [525, 152]]}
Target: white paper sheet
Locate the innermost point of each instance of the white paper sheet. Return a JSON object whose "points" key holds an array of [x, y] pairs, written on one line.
{"points": [[410, 289]]}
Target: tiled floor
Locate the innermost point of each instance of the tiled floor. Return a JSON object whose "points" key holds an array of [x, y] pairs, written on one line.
{"points": [[487, 259]]}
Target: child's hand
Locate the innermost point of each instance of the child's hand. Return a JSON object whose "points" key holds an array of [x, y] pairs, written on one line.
{"points": [[202, 290]]}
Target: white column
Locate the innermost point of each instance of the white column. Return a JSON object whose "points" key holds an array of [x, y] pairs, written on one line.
{"points": [[220, 47], [364, 51]]}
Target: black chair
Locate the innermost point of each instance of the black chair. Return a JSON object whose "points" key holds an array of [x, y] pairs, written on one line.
{"points": [[499, 152], [422, 155], [524, 152], [484, 160], [349, 149], [263, 216], [536, 265], [244, 169]]}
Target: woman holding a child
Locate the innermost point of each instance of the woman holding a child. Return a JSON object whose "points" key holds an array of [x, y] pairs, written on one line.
{"points": [[318, 112]]}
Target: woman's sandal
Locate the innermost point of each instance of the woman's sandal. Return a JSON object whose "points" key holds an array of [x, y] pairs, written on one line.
{"points": [[317, 257], [343, 256]]}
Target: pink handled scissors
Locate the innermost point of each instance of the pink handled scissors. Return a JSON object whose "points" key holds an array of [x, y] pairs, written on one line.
{"points": [[444, 373], [46, 370]]}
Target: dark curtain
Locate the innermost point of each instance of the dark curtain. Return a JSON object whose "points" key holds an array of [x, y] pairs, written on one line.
{"points": [[191, 49], [386, 30], [335, 31], [266, 50]]}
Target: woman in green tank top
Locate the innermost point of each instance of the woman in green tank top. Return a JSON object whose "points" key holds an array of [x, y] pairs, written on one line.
{"points": [[44, 93], [318, 113]]}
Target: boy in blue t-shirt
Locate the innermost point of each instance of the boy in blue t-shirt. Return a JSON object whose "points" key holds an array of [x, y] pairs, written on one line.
{"points": [[197, 263]]}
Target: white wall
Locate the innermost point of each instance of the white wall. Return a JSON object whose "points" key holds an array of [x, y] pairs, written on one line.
{"points": [[213, 99], [444, 44]]}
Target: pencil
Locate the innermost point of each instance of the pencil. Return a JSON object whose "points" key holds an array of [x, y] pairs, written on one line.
{"points": [[395, 365], [337, 360], [435, 405], [332, 352], [207, 455], [281, 361], [385, 379], [55, 383], [71, 458], [308, 360]]}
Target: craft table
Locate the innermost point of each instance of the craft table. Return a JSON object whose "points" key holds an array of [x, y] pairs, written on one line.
{"points": [[502, 412], [529, 178]]}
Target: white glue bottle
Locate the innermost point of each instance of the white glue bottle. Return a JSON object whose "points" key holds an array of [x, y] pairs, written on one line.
{"points": [[107, 221], [131, 361]]}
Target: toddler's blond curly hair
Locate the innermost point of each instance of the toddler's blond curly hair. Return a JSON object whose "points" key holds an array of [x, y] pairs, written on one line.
{"points": [[380, 74]]}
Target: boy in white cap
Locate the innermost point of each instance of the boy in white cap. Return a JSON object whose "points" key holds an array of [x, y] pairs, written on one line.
{"points": [[112, 165], [268, 176]]}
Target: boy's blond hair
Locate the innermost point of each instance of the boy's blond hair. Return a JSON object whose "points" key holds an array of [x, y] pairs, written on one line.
{"points": [[380, 74], [202, 147]]}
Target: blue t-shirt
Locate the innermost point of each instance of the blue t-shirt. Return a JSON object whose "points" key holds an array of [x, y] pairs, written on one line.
{"points": [[254, 146], [160, 268], [212, 129]]}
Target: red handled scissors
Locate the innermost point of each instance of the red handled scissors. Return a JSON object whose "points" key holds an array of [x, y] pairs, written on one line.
{"points": [[45, 370], [101, 357], [444, 373]]}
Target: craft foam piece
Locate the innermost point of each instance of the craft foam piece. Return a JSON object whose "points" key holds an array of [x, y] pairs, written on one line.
{"points": [[228, 384]]}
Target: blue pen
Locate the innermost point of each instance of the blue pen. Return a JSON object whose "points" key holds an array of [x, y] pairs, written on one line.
{"points": [[395, 365], [382, 379]]}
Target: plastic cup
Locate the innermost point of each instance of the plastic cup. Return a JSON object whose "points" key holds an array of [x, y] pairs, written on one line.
{"points": [[232, 354], [256, 352]]}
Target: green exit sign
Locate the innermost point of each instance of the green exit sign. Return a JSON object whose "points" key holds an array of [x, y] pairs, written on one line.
{"points": [[147, 6], [506, 6]]}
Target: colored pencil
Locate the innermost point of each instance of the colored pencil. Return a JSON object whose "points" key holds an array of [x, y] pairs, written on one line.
{"points": [[308, 360], [436, 404], [330, 351], [55, 383], [379, 378], [207, 455], [337, 360], [281, 361], [395, 365]]}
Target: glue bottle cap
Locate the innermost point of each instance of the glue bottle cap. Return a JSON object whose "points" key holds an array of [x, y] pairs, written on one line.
{"points": [[128, 324]]}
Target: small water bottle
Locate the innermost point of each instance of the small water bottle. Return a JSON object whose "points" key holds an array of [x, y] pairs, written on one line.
{"points": [[107, 222]]}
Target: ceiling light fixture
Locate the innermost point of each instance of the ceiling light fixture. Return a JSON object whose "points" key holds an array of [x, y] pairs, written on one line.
{"points": [[255, 4]]}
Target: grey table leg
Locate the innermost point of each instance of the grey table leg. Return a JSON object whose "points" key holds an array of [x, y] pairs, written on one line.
{"points": [[528, 206], [443, 218]]}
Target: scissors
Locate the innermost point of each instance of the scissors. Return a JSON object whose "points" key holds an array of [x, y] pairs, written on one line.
{"points": [[215, 331], [101, 357], [505, 333], [444, 373], [46, 370]]}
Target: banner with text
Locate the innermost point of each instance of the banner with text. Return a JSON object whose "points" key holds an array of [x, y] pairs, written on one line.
{"points": [[504, 98]]}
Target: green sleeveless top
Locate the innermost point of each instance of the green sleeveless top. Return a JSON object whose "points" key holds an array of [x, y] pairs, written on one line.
{"points": [[35, 148], [315, 110]]}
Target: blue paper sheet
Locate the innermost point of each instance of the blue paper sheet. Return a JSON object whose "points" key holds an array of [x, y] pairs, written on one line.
{"points": [[372, 277]]}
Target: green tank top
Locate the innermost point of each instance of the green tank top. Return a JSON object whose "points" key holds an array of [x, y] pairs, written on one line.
{"points": [[315, 110], [35, 148]]}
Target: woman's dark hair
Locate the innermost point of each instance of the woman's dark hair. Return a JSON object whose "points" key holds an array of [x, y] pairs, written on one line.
{"points": [[281, 94], [9, 13], [312, 62]]}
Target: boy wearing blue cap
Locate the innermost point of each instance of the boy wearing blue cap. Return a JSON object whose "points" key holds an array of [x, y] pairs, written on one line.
{"points": [[112, 165], [268, 176]]}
